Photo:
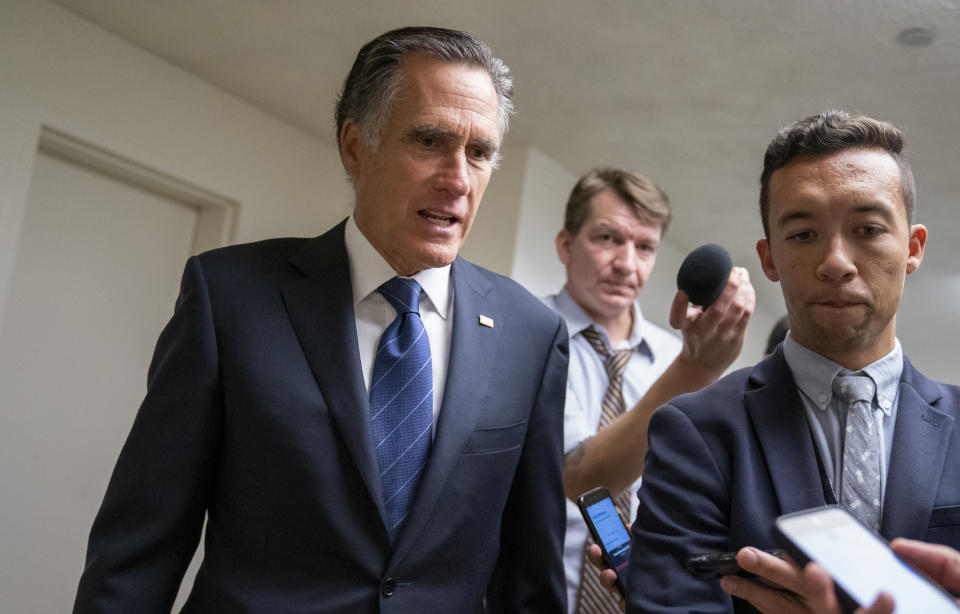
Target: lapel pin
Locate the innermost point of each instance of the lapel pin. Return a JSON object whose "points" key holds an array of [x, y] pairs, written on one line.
{"points": [[486, 321]]}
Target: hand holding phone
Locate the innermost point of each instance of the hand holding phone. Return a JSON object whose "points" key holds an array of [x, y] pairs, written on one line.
{"points": [[718, 564], [608, 530], [859, 561]]}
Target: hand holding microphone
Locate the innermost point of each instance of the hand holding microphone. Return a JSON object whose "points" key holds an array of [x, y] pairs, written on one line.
{"points": [[703, 274], [711, 310]]}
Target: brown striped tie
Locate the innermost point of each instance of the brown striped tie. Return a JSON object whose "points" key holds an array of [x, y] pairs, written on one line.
{"points": [[593, 597]]}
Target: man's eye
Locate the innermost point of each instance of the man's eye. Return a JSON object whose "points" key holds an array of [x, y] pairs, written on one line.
{"points": [[429, 142], [480, 153], [871, 231], [803, 235]]}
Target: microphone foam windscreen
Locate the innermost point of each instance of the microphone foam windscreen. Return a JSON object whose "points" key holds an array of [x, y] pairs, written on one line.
{"points": [[703, 274]]}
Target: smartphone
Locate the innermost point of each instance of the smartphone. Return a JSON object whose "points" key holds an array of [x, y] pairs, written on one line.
{"points": [[860, 562], [717, 564], [608, 531]]}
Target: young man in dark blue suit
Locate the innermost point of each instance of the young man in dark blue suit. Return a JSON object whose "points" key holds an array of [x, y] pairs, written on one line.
{"points": [[319, 494], [837, 203]]}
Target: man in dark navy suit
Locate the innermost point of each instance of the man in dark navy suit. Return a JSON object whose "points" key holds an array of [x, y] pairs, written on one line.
{"points": [[837, 204], [367, 422]]}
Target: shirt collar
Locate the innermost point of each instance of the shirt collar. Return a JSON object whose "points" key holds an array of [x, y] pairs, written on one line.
{"points": [[577, 320], [814, 373], [368, 270]]}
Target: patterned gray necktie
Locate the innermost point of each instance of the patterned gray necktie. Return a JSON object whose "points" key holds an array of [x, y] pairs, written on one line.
{"points": [[860, 486]]}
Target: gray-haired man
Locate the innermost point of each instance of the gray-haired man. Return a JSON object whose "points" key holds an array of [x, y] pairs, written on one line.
{"points": [[280, 407]]}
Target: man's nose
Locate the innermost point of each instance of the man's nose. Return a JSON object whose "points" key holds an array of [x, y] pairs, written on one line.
{"points": [[454, 175], [626, 258], [837, 262]]}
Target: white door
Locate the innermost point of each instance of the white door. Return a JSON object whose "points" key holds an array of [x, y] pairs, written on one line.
{"points": [[96, 276]]}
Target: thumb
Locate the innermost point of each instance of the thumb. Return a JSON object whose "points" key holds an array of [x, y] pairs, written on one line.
{"points": [[678, 310]]}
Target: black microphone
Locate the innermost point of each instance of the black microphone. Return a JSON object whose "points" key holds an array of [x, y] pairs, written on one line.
{"points": [[704, 273]]}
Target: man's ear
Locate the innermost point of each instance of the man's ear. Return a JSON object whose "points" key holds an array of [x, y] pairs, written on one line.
{"points": [[352, 147], [766, 260], [918, 241], [563, 241]]}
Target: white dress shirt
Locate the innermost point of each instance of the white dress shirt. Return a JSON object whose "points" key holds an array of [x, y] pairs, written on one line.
{"points": [[368, 270]]}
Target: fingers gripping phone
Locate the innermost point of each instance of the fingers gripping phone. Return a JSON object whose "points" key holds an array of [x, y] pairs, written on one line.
{"points": [[608, 531], [859, 561], [719, 564]]}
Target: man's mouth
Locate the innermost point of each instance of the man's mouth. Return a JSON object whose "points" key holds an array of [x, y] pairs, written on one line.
{"points": [[838, 304], [618, 285], [438, 219]]}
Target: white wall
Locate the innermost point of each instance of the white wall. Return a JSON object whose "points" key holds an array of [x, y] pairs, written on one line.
{"points": [[59, 71], [546, 186]]}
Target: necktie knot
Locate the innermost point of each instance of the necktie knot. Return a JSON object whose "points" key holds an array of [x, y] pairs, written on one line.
{"points": [[615, 361], [596, 340], [850, 389], [403, 294]]}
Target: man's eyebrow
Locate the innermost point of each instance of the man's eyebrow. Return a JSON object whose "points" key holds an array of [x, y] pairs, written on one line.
{"points": [[485, 143], [606, 227], [429, 131], [883, 210], [783, 220]]}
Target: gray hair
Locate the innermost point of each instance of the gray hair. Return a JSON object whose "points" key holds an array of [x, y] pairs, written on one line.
{"points": [[372, 85]]}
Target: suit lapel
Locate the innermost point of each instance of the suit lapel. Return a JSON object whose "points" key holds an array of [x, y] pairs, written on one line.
{"points": [[473, 350], [320, 306], [781, 425], [920, 441]]}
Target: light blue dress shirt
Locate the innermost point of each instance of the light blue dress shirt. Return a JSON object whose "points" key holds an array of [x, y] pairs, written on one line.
{"points": [[586, 384], [814, 375]]}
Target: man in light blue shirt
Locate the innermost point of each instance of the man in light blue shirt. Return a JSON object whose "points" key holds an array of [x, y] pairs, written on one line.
{"points": [[826, 415], [614, 223], [837, 415]]}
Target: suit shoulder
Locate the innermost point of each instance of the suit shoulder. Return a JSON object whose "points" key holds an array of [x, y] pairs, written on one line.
{"points": [[279, 250], [945, 397], [720, 398], [246, 267]]}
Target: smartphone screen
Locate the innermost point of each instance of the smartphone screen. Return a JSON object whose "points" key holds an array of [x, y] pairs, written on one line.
{"points": [[860, 562], [608, 530]]}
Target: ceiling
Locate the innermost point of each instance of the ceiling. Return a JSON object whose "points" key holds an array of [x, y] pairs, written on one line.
{"points": [[687, 92]]}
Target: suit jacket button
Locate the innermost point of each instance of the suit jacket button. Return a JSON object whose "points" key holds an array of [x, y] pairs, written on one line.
{"points": [[388, 586]]}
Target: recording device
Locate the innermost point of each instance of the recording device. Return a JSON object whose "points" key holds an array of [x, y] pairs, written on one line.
{"points": [[859, 561], [717, 564], [703, 274], [608, 531]]}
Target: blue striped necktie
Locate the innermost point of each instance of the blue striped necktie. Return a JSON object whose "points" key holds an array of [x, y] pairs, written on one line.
{"points": [[401, 401]]}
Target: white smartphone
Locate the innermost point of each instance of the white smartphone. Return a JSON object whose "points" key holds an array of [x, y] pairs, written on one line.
{"points": [[860, 562]]}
